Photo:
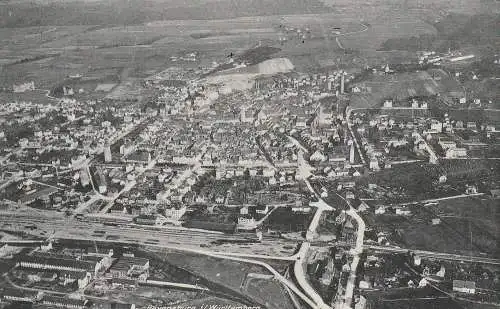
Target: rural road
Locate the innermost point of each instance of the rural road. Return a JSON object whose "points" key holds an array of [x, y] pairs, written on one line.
{"points": [[349, 33]]}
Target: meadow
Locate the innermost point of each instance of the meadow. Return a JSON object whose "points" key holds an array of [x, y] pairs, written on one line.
{"points": [[48, 41]]}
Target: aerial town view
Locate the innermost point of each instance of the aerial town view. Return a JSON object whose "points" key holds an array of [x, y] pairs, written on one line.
{"points": [[250, 154]]}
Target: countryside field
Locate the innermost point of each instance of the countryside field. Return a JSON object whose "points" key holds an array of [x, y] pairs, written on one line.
{"points": [[402, 86], [143, 38], [102, 40], [468, 226]]}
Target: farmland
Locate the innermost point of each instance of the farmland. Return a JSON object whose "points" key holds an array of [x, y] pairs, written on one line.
{"points": [[101, 51], [137, 41], [467, 226], [403, 85]]}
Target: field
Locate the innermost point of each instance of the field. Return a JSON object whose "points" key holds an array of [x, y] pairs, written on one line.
{"points": [[468, 226], [426, 298], [232, 275], [378, 33], [119, 51], [51, 40], [475, 217], [269, 292], [401, 86]]}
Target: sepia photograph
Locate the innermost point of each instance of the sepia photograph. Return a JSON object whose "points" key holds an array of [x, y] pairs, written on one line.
{"points": [[249, 154]]}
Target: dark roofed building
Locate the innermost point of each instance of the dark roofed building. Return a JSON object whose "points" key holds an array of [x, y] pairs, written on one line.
{"points": [[130, 267], [112, 306], [63, 302], [461, 286], [48, 262], [15, 295]]}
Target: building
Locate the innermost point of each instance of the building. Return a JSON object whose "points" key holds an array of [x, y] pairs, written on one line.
{"points": [[61, 302], [445, 145], [246, 223], [29, 86], [351, 153], [101, 182], [84, 176], [226, 227], [49, 262], [342, 82], [361, 304], [107, 153], [495, 193], [471, 125], [374, 164], [468, 287], [81, 278], [130, 267], [107, 305], [452, 153], [175, 213], [246, 116], [436, 126], [15, 295], [435, 221], [148, 220]]}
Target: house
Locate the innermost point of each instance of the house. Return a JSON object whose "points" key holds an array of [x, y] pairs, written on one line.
{"points": [[445, 145], [436, 126], [349, 195], [123, 283], [48, 262], [130, 267], [441, 272], [301, 122], [147, 220], [82, 278], [246, 222], [374, 164], [436, 221], [268, 172], [262, 209], [15, 295], [318, 156], [363, 207], [175, 213], [495, 193], [301, 209], [403, 212], [471, 125], [107, 305], [96, 251], [471, 189], [63, 302], [468, 287], [456, 153]]}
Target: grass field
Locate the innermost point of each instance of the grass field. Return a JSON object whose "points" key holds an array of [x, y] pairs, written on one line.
{"points": [[146, 44], [233, 275], [383, 30], [269, 292], [401, 86], [78, 38], [468, 226]]}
